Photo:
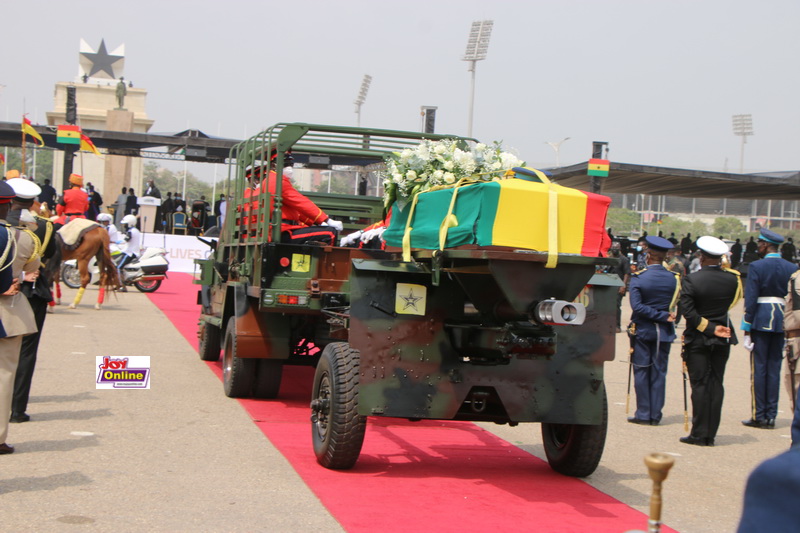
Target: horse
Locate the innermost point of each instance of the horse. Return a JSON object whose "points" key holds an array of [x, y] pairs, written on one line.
{"points": [[93, 242]]}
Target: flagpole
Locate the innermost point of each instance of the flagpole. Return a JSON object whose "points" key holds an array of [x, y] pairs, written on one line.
{"points": [[22, 172]]}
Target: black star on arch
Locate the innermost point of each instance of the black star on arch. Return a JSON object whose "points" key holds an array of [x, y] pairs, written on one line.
{"points": [[102, 61]]}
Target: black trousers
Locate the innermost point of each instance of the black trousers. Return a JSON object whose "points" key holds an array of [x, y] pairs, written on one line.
{"points": [[706, 367], [27, 358]]}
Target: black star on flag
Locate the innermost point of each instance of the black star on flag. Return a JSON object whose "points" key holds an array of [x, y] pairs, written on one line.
{"points": [[102, 61]]}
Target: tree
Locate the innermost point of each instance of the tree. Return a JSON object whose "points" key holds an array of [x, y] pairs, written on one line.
{"points": [[623, 221], [677, 226], [44, 162], [728, 227]]}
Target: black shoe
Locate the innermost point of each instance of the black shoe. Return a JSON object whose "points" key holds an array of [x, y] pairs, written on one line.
{"points": [[634, 420], [18, 418], [754, 423], [6, 449], [769, 423], [697, 441]]}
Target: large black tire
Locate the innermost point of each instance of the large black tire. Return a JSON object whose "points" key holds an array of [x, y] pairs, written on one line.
{"points": [[268, 378], [209, 342], [573, 449], [147, 286], [337, 429], [237, 373], [70, 276]]}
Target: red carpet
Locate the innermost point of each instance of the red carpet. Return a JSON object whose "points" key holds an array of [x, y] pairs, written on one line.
{"points": [[423, 476]]}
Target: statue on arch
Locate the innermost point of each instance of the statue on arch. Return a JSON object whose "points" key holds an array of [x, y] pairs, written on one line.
{"points": [[121, 92]]}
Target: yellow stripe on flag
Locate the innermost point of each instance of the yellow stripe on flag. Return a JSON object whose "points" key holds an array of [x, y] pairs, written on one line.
{"points": [[599, 167], [522, 216]]}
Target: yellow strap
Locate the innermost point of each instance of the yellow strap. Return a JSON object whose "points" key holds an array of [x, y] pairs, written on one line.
{"points": [[407, 232], [11, 248], [552, 218]]}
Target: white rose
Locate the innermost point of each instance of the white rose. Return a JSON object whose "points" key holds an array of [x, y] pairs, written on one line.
{"points": [[438, 174], [397, 177], [439, 148], [406, 154], [449, 165], [480, 147], [509, 160], [497, 165], [411, 175]]}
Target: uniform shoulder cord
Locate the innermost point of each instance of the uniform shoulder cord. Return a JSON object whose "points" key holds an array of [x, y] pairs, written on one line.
{"points": [[10, 249]]}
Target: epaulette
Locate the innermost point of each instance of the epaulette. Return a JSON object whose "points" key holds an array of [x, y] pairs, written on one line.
{"points": [[639, 272]]}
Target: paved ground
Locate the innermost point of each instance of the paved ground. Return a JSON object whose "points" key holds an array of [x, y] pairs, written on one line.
{"points": [[159, 460]]}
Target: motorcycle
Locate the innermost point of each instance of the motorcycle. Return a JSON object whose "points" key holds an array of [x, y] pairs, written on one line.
{"points": [[145, 273]]}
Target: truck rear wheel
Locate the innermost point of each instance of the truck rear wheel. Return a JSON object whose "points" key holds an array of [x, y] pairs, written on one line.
{"points": [[337, 429], [237, 373], [268, 378], [209, 342], [574, 449]]}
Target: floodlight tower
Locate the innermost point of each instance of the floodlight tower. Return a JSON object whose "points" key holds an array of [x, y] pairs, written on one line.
{"points": [[362, 96], [742, 126], [477, 46], [557, 146]]}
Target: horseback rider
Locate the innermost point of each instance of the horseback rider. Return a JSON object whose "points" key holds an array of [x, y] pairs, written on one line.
{"points": [[74, 203]]}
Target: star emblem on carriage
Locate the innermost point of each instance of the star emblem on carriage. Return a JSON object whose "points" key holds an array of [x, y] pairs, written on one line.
{"points": [[411, 300]]}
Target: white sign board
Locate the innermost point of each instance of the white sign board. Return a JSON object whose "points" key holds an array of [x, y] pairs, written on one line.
{"points": [[182, 250]]}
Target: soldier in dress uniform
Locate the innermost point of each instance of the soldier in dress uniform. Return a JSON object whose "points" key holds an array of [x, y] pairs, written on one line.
{"points": [[16, 316], [791, 332], [35, 287], [706, 297], [653, 294], [770, 497], [765, 290]]}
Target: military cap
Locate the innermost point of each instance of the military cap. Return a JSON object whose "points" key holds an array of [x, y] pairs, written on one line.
{"points": [[770, 236], [6, 193], [24, 189], [712, 246], [658, 243]]}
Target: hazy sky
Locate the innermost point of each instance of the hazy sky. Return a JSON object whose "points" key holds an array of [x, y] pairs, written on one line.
{"points": [[658, 80]]}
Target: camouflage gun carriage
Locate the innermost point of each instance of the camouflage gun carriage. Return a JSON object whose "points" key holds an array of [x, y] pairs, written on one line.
{"points": [[469, 332]]}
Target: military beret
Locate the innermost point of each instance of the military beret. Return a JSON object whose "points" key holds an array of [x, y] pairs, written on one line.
{"points": [[658, 243], [24, 189], [6, 193], [712, 246], [770, 236]]}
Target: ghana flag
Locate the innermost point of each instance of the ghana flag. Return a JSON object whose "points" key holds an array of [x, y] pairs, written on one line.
{"points": [[68, 134], [513, 212], [599, 167]]}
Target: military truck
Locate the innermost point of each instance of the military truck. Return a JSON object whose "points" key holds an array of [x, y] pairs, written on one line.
{"points": [[476, 333]]}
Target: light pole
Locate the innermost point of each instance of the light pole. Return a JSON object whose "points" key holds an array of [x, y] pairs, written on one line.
{"points": [[557, 146], [742, 126], [477, 46], [362, 96]]}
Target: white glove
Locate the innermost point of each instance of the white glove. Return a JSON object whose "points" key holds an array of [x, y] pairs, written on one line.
{"points": [[372, 233], [748, 343], [349, 240], [335, 224]]}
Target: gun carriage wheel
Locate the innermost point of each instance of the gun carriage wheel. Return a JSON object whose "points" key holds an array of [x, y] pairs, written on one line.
{"points": [[575, 449], [337, 429], [209, 342], [237, 372]]}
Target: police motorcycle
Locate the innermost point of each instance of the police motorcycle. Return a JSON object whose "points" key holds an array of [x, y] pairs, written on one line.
{"points": [[146, 272]]}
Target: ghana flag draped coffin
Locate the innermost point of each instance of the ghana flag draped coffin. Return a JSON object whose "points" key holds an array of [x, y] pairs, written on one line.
{"points": [[511, 212]]}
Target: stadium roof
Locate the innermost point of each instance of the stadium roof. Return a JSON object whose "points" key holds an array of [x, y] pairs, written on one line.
{"points": [[626, 178]]}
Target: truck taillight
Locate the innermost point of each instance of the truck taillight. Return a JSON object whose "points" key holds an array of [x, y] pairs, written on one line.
{"points": [[291, 299]]}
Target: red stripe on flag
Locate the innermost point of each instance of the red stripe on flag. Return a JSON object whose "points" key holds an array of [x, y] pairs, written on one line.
{"points": [[594, 225]]}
